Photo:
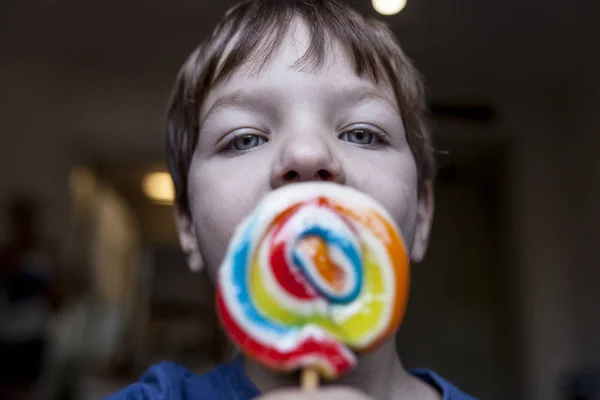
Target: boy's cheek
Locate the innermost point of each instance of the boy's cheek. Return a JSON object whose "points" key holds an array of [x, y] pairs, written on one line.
{"points": [[216, 215], [399, 199]]}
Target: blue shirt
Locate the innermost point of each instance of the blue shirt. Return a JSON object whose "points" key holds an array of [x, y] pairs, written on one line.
{"points": [[170, 381]]}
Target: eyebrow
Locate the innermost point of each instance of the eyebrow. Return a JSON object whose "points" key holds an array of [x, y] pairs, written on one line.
{"points": [[260, 99], [347, 97], [255, 100]]}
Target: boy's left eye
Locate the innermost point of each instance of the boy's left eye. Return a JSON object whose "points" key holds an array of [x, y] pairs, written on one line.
{"points": [[361, 136]]}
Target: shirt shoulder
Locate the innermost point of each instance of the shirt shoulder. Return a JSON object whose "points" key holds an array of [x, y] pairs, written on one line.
{"points": [[449, 390], [170, 381], [161, 382]]}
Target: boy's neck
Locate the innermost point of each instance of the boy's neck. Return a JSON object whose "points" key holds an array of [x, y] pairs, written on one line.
{"points": [[379, 374]]}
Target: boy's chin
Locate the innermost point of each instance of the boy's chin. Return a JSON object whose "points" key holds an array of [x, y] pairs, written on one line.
{"points": [[212, 276]]}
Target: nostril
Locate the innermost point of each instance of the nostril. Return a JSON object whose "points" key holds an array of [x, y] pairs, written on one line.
{"points": [[325, 175], [290, 176]]}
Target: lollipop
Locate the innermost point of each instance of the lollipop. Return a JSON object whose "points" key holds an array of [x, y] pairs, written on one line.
{"points": [[317, 273]]}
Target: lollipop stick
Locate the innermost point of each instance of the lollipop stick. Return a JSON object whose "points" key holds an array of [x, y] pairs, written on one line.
{"points": [[309, 380]]}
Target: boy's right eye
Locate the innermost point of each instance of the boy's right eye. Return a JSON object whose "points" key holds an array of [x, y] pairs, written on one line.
{"points": [[246, 141]]}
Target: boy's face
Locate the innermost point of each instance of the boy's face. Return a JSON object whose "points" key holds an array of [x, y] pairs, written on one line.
{"points": [[283, 125]]}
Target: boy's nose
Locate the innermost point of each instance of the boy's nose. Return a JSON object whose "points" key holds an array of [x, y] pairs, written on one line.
{"points": [[306, 158]]}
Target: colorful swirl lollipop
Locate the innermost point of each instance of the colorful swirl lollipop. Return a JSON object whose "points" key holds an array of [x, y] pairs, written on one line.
{"points": [[318, 271]]}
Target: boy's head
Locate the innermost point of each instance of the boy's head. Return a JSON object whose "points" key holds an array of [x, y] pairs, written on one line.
{"points": [[295, 90]]}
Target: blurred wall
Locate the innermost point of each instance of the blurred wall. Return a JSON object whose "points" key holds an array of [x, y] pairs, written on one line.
{"points": [[581, 144], [53, 118], [556, 195]]}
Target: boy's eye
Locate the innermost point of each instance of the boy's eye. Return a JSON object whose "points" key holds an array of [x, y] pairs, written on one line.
{"points": [[247, 141], [360, 136]]}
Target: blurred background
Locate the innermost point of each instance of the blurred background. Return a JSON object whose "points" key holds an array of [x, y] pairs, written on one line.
{"points": [[507, 304]]}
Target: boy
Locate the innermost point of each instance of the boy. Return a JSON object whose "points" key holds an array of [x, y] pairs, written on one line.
{"points": [[287, 91]]}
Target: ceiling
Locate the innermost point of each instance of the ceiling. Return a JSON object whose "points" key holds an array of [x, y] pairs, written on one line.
{"points": [[472, 42]]}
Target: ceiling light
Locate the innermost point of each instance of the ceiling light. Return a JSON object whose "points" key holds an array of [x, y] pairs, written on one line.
{"points": [[388, 7], [158, 186]]}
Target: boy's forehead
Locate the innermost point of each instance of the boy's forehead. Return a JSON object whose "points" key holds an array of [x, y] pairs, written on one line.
{"points": [[292, 48], [269, 64], [290, 53]]}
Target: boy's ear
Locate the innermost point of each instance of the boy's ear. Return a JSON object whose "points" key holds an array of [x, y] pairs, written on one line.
{"points": [[188, 239], [425, 206]]}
